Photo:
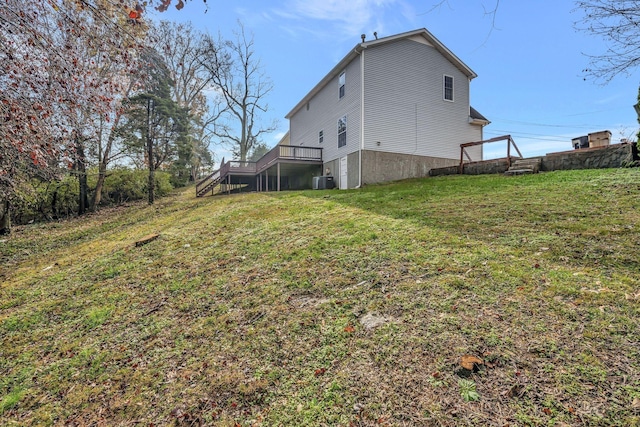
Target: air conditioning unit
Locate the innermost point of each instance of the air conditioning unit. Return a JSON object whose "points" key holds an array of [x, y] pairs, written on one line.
{"points": [[323, 182]]}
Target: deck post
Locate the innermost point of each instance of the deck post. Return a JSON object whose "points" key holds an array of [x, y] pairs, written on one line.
{"points": [[228, 185], [278, 173], [266, 177]]}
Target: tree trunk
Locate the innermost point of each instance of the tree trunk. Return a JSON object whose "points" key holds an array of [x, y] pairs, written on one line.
{"points": [[83, 199], [54, 202], [97, 195], [152, 178], [104, 156], [5, 217]]}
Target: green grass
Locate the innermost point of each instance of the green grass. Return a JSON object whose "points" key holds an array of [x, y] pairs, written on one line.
{"points": [[248, 309]]}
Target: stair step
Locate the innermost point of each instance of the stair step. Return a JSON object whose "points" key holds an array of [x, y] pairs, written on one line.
{"points": [[206, 189], [525, 166], [519, 171]]}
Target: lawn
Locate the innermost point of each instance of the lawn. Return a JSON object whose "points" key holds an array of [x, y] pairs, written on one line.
{"points": [[450, 301]]}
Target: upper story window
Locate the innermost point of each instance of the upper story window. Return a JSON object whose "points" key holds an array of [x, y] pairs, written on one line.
{"points": [[342, 131], [448, 88], [320, 137], [341, 81]]}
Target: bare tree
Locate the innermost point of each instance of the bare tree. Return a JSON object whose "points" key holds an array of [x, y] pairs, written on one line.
{"points": [[241, 87], [180, 46], [618, 23], [491, 11]]}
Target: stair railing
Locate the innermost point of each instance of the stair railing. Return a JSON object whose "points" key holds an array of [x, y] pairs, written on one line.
{"points": [[203, 185]]}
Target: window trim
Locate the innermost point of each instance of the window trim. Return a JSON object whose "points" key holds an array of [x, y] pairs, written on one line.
{"points": [[342, 79], [444, 88], [342, 119]]}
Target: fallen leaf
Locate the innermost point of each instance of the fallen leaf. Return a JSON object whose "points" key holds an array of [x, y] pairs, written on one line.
{"points": [[547, 411], [349, 329], [470, 362], [319, 372]]}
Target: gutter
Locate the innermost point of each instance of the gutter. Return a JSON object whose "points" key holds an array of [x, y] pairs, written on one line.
{"points": [[361, 117]]}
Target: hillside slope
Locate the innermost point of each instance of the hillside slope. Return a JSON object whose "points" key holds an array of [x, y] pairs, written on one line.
{"points": [[333, 308]]}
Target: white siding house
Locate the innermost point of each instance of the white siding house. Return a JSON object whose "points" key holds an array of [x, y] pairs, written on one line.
{"points": [[393, 108]]}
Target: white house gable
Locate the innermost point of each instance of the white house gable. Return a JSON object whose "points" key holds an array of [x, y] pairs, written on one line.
{"points": [[420, 39], [406, 109]]}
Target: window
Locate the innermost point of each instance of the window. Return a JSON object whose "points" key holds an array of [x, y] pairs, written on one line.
{"points": [[342, 131], [448, 88], [341, 81], [320, 137]]}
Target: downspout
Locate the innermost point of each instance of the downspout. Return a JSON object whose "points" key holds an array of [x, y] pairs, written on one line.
{"points": [[361, 118]]}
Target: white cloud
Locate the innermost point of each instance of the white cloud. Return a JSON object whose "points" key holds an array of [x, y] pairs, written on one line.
{"points": [[344, 19]]}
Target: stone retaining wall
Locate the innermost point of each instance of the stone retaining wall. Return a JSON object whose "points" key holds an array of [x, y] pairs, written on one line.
{"points": [[612, 156]]}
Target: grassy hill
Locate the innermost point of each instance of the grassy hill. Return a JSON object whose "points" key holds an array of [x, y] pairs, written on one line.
{"points": [[352, 308]]}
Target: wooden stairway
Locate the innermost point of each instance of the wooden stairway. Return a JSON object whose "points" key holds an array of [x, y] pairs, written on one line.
{"points": [[525, 166], [208, 184]]}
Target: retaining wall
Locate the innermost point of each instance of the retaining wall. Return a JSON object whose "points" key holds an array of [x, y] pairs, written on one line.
{"points": [[612, 156]]}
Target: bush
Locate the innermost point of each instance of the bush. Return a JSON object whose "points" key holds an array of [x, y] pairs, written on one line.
{"points": [[125, 185], [39, 200]]}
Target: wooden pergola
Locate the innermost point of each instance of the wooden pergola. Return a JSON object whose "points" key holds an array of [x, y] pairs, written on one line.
{"points": [[507, 138]]}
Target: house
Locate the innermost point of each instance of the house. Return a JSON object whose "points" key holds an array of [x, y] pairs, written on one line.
{"points": [[392, 108]]}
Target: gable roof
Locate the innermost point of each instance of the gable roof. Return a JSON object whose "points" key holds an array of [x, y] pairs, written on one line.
{"points": [[353, 53]]}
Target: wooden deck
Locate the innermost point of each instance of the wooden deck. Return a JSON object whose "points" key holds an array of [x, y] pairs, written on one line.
{"points": [[235, 173]]}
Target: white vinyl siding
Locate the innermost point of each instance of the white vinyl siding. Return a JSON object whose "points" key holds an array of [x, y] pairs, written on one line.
{"points": [[326, 109], [403, 108]]}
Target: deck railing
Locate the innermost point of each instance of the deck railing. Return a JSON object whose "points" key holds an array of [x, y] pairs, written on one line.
{"points": [[238, 166], [289, 152]]}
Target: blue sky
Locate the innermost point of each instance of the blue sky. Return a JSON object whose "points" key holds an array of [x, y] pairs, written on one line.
{"points": [[528, 57]]}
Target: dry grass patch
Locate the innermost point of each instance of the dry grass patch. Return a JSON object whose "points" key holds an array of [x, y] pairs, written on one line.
{"points": [[252, 309]]}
